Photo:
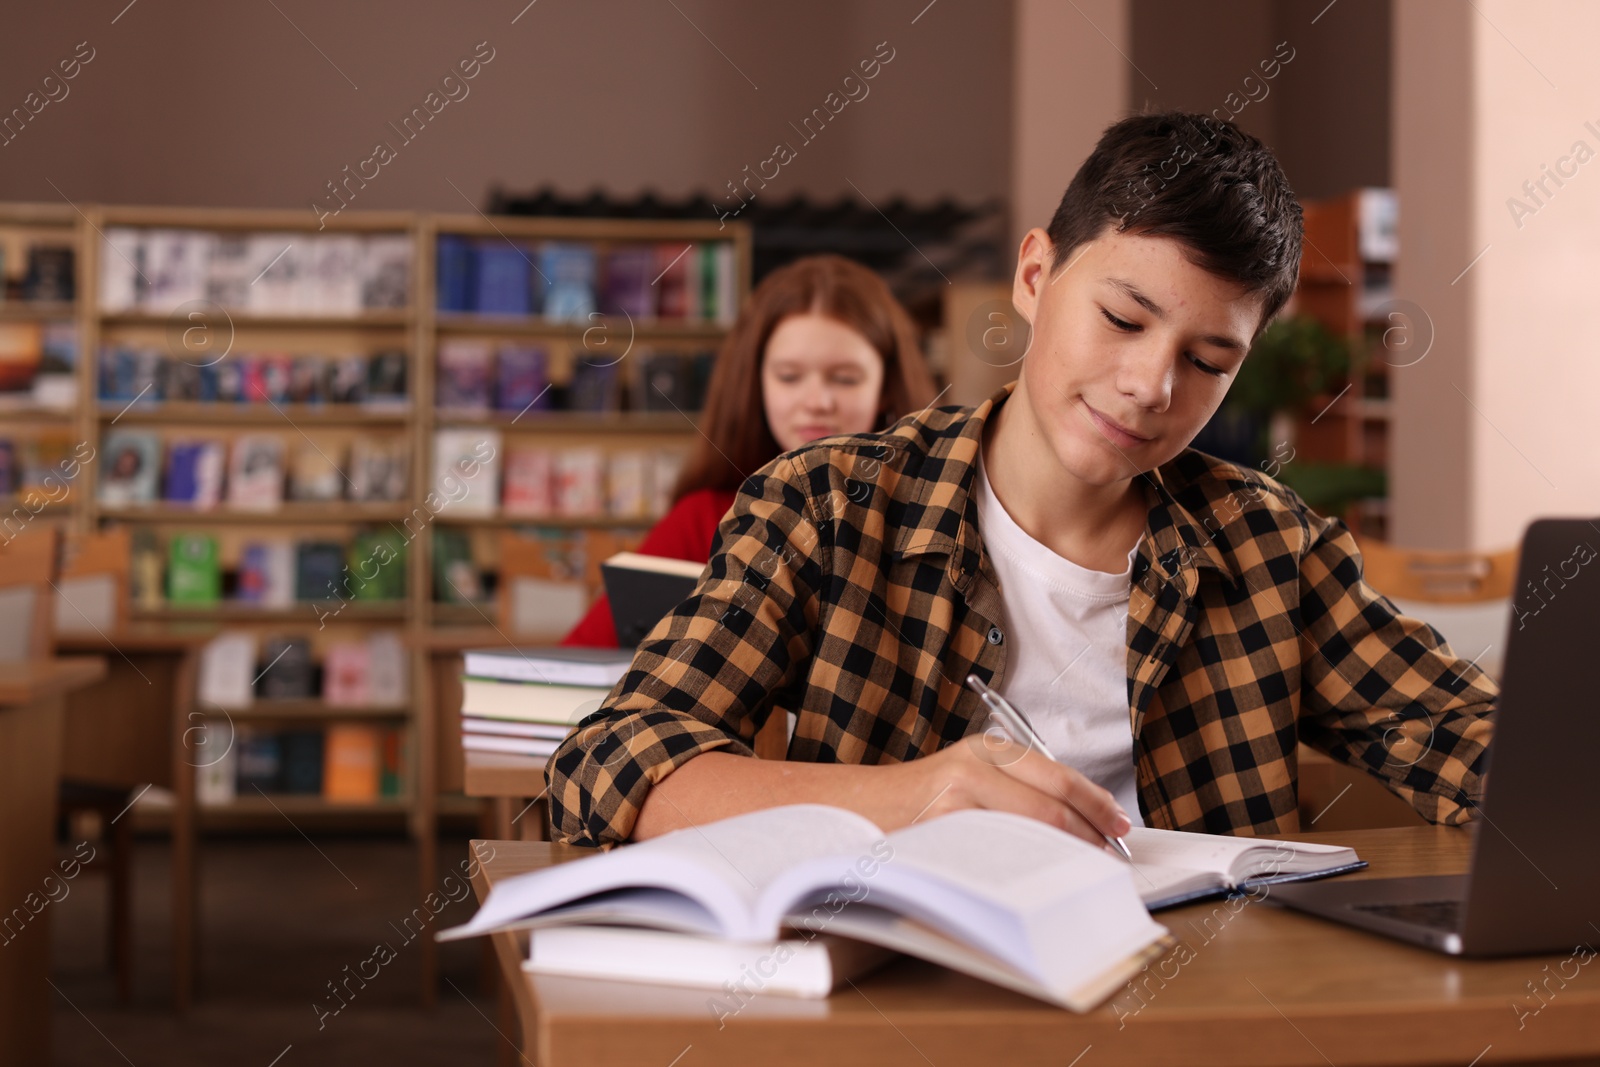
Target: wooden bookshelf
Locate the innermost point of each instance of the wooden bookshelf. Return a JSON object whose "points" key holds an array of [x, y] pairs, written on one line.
{"points": [[572, 422], [38, 310], [417, 329], [553, 522], [1345, 273], [302, 614], [647, 331], [289, 321], [294, 710], [609, 432], [298, 805], [180, 412], [358, 331], [24, 418]]}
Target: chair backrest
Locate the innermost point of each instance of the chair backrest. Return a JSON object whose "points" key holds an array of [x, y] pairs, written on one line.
{"points": [[1466, 596], [28, 565], [538, 594], [92, 595], [1439, 577]]}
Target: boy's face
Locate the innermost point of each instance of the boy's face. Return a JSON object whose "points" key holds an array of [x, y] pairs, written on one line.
{"points": [[1113, 399]]}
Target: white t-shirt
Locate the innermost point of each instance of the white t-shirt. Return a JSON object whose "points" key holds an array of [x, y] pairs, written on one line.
{"points": [[1065, 628]]}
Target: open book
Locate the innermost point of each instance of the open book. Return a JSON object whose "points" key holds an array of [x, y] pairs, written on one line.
{"points": [[1171, 867], [642, 589], [999, 896]]}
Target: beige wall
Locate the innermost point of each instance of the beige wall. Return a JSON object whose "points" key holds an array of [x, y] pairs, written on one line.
{"points": [[1494, 426], [202, 103], [1070, 83], [1430, 444], [1537, 376], [1326, 114]]}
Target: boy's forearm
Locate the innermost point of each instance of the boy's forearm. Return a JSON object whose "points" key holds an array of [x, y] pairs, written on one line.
{"points": [[716, 785]]}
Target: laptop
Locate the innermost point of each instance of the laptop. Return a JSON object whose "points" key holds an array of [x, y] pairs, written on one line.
{"points": [[1533, 884]]}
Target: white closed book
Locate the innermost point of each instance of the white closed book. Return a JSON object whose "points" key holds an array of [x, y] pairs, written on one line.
{"points": [[525, 702], [534, 747], [551, 666], [796, 967]]}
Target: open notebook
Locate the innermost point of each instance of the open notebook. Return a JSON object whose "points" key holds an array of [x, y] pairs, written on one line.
{"points": [[1171, 867], [1000, 896]]}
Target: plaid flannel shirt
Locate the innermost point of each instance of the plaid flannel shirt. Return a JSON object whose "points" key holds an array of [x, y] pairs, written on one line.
{"points": [[849, 584]]}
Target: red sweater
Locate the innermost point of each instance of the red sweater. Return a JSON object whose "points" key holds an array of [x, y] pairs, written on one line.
{"points": [[685, 532]]}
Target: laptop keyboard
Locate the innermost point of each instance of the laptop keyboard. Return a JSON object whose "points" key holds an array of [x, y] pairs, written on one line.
{"points": [[1435, 914]]}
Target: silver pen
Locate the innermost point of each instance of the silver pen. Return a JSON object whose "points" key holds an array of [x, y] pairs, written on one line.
{"points": [[1021, 730]]}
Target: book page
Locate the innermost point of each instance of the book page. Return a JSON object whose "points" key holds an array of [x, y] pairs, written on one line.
{"points": [[980, 876], [748, 852], [1032, 897], [1230, 859], [722, 866], [1002, 856], [1190, 852]]}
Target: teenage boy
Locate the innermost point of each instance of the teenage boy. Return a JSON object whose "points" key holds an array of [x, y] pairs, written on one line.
{"points": [[1173, 625]]}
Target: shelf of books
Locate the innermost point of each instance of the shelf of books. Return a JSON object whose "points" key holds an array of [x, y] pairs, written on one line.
{"points": [[1346, 285], [320, 436], [39, 345], [249, 382], [319, 439], [567, 360]]}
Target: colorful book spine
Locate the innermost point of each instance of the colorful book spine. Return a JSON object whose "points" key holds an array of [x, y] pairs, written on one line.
{"points": [[454, 273], [522, 379], [501, 279], [194, 574]]}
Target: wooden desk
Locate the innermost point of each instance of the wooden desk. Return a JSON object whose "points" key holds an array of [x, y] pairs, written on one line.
{"points": [[1258, 986], [514, 787], [32, 696], [135, 727]]}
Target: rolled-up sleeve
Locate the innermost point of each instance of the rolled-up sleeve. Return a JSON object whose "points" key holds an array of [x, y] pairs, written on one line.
{"points": [[1384, 691], [707, 674]]}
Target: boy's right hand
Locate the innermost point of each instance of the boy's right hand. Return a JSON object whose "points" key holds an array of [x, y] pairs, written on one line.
{"points": [[980, 772]]}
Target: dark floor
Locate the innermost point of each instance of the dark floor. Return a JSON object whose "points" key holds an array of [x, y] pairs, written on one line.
{"points": [[279, 920]]}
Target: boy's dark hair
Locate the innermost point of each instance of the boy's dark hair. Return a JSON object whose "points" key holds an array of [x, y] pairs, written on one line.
{"points": [[1205, 183]]}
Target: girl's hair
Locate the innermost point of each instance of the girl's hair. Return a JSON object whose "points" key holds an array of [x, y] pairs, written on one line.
{"points": [[736, 440]]}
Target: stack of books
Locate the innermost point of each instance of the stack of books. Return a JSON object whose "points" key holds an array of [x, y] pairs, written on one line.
{"points": [[525, 701]]}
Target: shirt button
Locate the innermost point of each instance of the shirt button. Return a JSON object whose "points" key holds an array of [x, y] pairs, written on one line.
{"points": [[995, 636]]}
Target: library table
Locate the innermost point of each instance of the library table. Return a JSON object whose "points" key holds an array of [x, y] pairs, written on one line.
{"points": [[1258, 985], [138, 726], [32, 696]]}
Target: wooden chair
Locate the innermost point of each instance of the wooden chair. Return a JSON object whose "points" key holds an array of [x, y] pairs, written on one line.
{"points": [[92, 594], [27, 568], [1439, 577], [1466, 596], [539, 594], [91, 597]]}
